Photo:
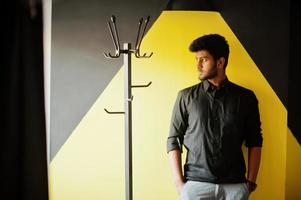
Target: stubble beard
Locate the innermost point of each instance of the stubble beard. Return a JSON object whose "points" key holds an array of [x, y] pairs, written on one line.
{"points": [[210, 74]]}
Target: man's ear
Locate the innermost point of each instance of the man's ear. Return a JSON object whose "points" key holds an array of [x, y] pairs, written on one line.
{"points": [[221, 62]]}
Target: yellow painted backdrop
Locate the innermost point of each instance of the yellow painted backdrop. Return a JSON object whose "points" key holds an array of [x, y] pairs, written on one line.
{"points": [[90, 165]]}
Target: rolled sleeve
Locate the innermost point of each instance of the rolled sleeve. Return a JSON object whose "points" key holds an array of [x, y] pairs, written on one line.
{"points": [[178, 124], [253, 125]]}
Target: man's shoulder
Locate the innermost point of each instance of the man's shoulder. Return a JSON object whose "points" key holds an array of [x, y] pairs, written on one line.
{"points": [[242, 91], [190, 89]]}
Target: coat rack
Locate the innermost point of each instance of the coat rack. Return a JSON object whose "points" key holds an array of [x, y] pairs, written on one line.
{"points": [[127, 52]]}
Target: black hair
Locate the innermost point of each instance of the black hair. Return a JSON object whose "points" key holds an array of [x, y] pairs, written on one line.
{"points": [[215, 44]]}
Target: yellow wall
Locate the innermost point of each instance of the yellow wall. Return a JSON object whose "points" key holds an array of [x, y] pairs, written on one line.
{"points": [[90, 165]]}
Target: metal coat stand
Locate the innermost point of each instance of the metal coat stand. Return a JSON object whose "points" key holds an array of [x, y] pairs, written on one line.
{"points": [[127, 52]]}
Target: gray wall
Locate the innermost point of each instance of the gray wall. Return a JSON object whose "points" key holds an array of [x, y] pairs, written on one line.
{"points": [[79, 71]]}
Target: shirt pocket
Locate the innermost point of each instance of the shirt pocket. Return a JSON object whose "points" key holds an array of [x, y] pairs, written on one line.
{"points": [[231, 112], [231, 122], [232, 106]]}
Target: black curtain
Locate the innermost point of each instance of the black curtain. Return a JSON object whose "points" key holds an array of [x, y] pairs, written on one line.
{"points": [[294, 109], [23, 132]]}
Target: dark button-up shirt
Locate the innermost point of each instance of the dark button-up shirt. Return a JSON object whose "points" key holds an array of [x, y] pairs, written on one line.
{"points": [[213, 124]]}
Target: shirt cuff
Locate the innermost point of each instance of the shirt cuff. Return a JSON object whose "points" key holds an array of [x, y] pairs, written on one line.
{"points": [[173, 143]]}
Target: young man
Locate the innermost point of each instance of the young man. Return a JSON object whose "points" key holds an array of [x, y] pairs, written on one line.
{"points": [[212, 119]]}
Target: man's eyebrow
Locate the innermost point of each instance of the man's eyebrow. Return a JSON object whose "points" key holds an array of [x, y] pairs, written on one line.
{"points": [[201, 57]]}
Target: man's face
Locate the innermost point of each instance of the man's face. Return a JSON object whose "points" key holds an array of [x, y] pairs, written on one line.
{"points": [[206, 65]]}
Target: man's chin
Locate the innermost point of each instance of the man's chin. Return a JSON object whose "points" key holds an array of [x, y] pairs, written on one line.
{"points": [[202, 78]]}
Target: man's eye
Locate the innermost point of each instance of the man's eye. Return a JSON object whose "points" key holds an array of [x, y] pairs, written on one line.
{"points": [[201, 59]]}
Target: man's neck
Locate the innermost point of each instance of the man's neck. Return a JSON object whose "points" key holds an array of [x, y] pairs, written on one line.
{"points": [[217, 81]]}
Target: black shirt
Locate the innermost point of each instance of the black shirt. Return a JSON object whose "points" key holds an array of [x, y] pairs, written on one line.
{"points": [[213, 124]]}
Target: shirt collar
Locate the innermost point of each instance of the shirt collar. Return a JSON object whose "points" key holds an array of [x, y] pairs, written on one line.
{"points": [[208, 85]]}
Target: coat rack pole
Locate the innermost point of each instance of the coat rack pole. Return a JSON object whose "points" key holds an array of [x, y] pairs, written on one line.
{"points": [[128, 121], [127, 51]]}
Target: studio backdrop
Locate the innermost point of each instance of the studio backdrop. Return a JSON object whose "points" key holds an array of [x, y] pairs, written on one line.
{"points": [[87, 144]]}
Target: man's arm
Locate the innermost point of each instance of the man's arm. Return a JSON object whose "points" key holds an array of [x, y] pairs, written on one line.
{"points": [[176, 166], [175, 140], [254, 156], [253, 140]]}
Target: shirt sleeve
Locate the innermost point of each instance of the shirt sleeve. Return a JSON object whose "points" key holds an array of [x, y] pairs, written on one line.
{"points": [[178, 124], [253, 125]]}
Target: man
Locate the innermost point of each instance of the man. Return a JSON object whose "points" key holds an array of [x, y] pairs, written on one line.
{"points": [[212, 119]]}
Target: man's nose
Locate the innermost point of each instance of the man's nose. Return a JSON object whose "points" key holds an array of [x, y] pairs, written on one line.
{"points": [[199, 65]]}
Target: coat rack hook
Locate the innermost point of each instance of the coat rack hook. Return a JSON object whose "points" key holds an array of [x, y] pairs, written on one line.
{"points": [[109, 112], [115, 38], [140, 38], [147, 85]]}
